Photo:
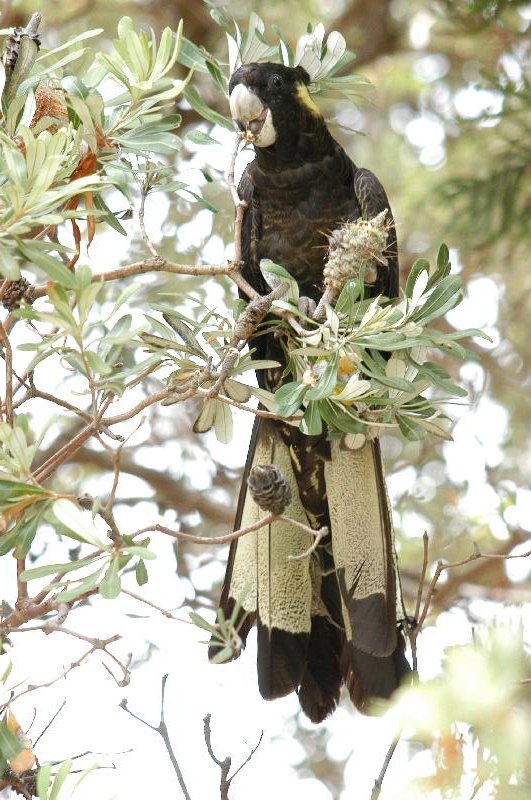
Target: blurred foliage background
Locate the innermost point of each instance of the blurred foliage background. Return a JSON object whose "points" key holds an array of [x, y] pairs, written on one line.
{"points": [[447, 128]]}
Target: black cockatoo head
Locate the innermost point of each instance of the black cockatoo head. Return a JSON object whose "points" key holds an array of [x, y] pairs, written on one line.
{"points": [[271, 103]]}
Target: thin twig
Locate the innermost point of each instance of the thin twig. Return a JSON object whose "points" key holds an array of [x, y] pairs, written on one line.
{"points": [[230, 537], [8, 357], [66, 452], [224, 783], [425, 545], [442, 567], [318, 536], [49, 724], [251, 754], [162, 730], [77, 663], [413, 631], [144, 189], [225, 764], [232, 166], [22, 587], [377, 789], [209, 540], [163, 611]]}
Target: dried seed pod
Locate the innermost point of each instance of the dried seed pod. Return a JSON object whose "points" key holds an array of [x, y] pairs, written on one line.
{"points": [[18, 290], [269, 488], [50, 103], [11, 50], [20, 52]]}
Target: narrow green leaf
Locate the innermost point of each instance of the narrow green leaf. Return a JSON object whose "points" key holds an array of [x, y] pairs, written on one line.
{"points": [[195, 100], [443, 257], [223, 423], [410, 429], [289, 398], [312, 423], [108, 216], [55, 269], [43, 781], [198, 620], [27, 530], [54, 569], [65, 45], [86, 585], [337, 418], [223, 655], [276, 274], [110, 586], [15, 490], [141, 573], [192, 56], [8, 541], [420, 266], [61, 776], [445, 295], [138, 550], [199, 137]]}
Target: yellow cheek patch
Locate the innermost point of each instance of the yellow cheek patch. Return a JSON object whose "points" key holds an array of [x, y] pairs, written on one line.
{"points": [[304, 96]]}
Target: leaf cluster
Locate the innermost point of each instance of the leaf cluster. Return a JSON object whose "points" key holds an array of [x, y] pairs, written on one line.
{"points": [[369, 367], [323, 58], [66, 145], [476, 719]]}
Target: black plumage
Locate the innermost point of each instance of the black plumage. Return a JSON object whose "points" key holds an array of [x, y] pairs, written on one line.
{"points": [[333, 618]]}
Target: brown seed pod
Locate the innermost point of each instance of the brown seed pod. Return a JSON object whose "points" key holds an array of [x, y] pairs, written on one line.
{"points": [[269, 488], [50, 103], [17, 291]]}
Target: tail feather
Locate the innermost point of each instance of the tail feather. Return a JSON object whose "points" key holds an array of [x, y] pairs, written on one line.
{"points": [[367, 676], [332, 617], [321, 681], [281, 661]]}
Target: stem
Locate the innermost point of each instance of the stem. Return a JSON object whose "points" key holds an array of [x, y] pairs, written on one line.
{"points": [[8, 357]]}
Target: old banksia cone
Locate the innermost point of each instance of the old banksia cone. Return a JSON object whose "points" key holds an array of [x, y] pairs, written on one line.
{"points": [[353, 246], [269, 488]]}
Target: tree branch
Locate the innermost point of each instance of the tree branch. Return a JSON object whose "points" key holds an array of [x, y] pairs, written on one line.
{"points": [[162, 730]]}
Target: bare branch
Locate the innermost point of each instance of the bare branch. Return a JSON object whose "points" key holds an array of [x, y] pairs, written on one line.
{"points": [[442, 567], [224, 784], [225, 764], [141, 599], [230, 537], [8, 357], [413, 632], [66, 452], [162, 730], [377, 789], [144, 189], [154, 265]]}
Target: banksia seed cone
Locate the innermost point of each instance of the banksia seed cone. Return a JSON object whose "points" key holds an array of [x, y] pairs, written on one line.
{"points": [[17, 291], [11, 50], [355, 244], [269, 488]]}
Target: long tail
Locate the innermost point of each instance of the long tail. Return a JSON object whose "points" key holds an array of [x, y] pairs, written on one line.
{"points": [[331, 617]]}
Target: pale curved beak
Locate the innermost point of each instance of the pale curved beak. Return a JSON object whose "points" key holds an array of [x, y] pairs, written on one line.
{"points": [[248, 111]]}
